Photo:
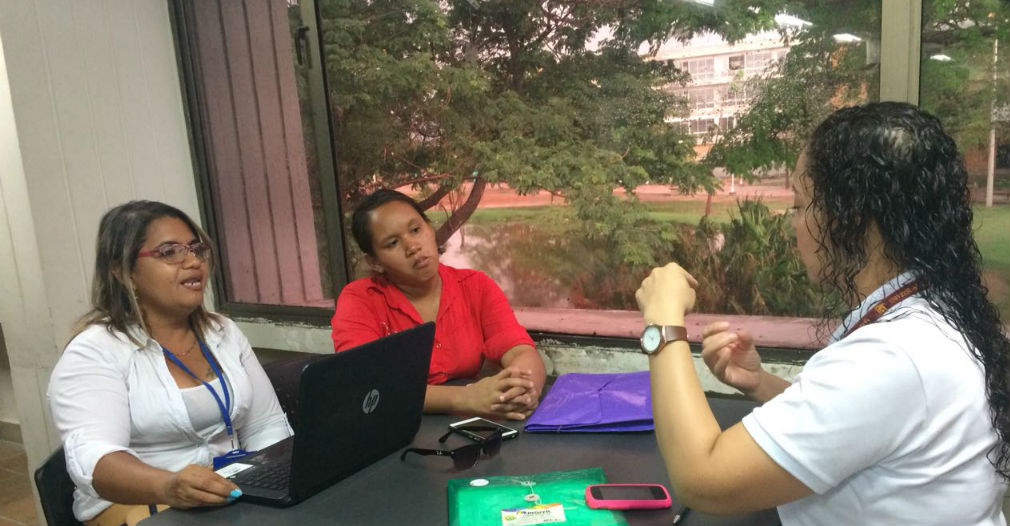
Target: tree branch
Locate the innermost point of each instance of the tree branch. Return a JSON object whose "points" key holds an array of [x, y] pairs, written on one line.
{"points": [[398, 183], [435, 197], [461, 214]]}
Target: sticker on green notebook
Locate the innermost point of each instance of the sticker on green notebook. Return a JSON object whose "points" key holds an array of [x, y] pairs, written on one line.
{"points": [[539, 514], [552, 498]]}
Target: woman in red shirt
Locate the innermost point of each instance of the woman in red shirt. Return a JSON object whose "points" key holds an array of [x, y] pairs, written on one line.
{"points": [[473, 320]]}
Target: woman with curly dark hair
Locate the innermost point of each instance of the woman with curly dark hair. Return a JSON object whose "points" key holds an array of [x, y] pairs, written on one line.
{"points": [[904, 418]]}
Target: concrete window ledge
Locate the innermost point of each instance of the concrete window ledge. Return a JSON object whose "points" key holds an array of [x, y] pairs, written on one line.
{"points": [[573, 340]]}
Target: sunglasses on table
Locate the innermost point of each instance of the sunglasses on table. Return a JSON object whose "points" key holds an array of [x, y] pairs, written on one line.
{"points": [[175, 253], [464, 457]]}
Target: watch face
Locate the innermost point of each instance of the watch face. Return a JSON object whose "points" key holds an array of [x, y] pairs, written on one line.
{"points": [[651, 338]]}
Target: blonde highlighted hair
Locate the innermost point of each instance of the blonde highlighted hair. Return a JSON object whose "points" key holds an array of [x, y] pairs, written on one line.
{"points": [[121, 234]]}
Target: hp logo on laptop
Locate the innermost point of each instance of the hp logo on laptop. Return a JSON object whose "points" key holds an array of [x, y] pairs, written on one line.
{"points": [[371, 401]]}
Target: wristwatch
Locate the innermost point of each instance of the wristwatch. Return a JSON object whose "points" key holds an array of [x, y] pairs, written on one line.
{"points": [[654, 337]]}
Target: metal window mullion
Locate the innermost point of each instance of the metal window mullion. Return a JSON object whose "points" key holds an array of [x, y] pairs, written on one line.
{"points": [[900, 39], [332, 207]]}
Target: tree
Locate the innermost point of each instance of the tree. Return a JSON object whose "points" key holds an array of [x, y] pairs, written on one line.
{"points": [[817, 76], [961, 91], [451, 96], [820, 75]]}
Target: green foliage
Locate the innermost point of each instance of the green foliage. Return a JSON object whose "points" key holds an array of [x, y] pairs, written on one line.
{"points": [[541, 255], [961, 92], [818, 76], [436, 94], [656, 21], [748, 266]]}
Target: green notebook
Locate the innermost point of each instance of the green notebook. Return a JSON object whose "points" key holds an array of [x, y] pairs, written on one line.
{"points": [[556, 497]]}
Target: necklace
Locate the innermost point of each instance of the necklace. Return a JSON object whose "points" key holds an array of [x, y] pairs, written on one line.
{"points": [[189, 349]]}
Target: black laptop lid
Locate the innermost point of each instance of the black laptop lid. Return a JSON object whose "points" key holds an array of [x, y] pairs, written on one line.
{"points": [[358, 406]]}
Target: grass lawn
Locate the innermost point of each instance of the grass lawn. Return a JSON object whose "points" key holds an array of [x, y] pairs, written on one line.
{"points": [[486, 216], [992, 231], [690, 212]]}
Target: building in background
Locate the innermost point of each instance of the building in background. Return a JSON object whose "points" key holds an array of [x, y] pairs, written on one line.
{"points": [[721, 84]]}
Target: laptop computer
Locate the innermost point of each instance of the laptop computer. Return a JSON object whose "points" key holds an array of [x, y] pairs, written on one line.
{"points": [[354, 408]]}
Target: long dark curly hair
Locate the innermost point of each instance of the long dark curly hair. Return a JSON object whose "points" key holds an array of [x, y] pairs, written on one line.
{"points": [[891, 164]]}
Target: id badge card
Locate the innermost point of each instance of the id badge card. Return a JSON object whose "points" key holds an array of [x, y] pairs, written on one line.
{"points": [[229, 457]]}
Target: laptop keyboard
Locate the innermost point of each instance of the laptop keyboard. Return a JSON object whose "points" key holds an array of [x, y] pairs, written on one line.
{"points": [[269, 477]]}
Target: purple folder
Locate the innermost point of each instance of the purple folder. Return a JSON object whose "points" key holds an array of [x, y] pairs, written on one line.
{"points": [[591, 403]]}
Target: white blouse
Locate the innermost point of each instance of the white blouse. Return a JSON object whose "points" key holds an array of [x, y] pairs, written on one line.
{"points": [[204, 413], [108, 395], [889, 425]]}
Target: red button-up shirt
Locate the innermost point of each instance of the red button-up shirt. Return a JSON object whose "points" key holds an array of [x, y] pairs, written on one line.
{"points": [[474, 320]]}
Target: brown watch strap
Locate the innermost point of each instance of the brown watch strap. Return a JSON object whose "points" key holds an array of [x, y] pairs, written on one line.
{"points": [[672, 333]]}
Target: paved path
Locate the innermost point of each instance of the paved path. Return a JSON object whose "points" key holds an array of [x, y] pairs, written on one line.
{"points": [[502, 196]]}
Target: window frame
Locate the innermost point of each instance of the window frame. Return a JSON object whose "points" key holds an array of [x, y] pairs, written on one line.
{"points": [[702, 98], [698, 76], [741, 61], [751, 69], [306, 329], [179, 13]]}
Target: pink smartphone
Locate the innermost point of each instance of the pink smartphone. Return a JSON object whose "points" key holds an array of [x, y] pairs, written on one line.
{"points": [[627, 496]]}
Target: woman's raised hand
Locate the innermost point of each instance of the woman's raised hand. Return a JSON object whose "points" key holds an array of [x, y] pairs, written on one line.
{"points": [[666, 295], [732, 357]]}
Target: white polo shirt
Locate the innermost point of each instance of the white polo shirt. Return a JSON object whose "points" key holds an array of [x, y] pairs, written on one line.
{"points": [[888, 426]]}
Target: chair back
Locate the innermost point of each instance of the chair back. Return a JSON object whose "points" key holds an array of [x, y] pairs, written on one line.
{"points": [[56, 490], [285, 375]]}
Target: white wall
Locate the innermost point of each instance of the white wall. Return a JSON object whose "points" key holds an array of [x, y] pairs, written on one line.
{"points": [[11, 184], [93, 117]]}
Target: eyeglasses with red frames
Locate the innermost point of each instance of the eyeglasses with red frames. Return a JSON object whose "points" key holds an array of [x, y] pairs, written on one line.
{"points": [[175, 253]]}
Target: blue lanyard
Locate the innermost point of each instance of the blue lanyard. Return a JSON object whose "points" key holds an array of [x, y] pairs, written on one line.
{"points": [[225, 406]]}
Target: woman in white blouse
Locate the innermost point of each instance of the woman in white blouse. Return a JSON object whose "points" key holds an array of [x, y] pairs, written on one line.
{"points": [[904, 418], [153, 390]]}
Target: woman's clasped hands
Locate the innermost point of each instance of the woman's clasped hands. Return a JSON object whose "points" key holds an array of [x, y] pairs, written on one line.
{"points": [[510, 394]]}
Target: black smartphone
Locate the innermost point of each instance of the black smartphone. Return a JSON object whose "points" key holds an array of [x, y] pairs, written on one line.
{"points": [[480, 428]]}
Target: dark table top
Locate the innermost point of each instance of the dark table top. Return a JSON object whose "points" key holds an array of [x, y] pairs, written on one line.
{"points": [[415, 491]]}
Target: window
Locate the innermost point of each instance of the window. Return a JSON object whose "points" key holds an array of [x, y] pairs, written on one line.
{"points": [[757, 62], [701, 69], [701, 126], [963, 80], [263, 163], [521, 153], [701, 98], [735, 94]]}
